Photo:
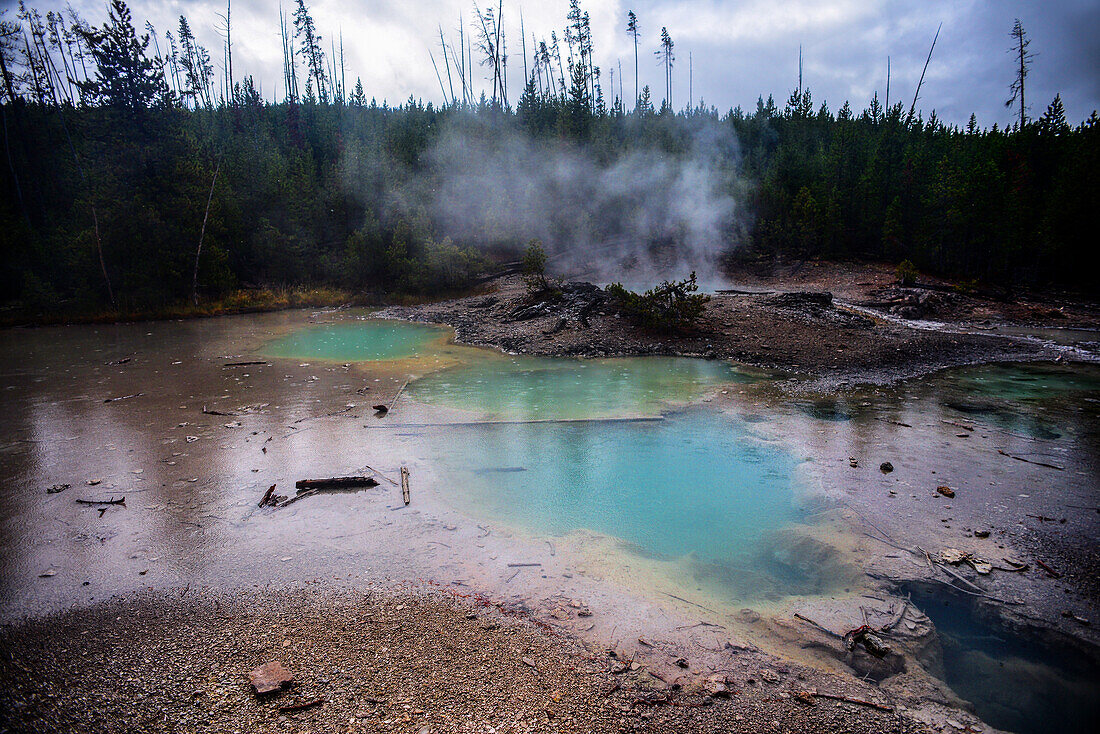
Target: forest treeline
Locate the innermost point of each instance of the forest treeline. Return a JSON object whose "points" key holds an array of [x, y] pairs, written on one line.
{"points": [[133, 181]]}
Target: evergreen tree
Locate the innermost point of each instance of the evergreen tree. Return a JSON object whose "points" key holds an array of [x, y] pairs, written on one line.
{"points": [[125, 78]]}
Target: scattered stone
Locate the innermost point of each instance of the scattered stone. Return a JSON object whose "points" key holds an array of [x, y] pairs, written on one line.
{"points": [[57, 488], [681, 663], [885, 467], [1070, 615], [769, 676], [945, 491], [981, 533], [716, 687], [270, 677]]}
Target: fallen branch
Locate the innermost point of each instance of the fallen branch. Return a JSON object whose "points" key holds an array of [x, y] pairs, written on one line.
{"points": [[959, 577], [896, 620], [978, 593], [523, 565], [698, 624], [120, 501], [347, 409], [303, 705], [957, 425], [1053, 574], [826, 630], [299, 496], [685, 601], [214, 412], [241, 364], [267, 496], [857, 701], [395, 397], [1029, 461], [894, 423], [336, 483], [123, 397]]}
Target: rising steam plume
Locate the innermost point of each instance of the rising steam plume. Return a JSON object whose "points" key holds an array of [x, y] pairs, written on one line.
{"points": [[638, 216]]}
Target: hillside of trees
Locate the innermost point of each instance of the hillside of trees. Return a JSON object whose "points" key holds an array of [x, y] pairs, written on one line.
{"points": [[131, 179]]}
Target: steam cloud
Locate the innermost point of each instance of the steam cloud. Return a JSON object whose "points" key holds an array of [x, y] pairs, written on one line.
{"points": [[640, 217]]}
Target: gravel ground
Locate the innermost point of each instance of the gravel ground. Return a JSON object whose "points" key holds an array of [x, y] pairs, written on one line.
{"points": [[381, 661]]}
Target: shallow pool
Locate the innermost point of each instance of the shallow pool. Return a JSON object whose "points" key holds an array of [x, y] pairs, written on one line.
{"points": [[693, 486], [357, 342], [533, 388]]}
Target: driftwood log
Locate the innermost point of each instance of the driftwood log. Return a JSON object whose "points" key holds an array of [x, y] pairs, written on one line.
{"points": [[336, 483]]}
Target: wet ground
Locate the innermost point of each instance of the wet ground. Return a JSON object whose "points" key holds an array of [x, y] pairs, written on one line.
{"points": [[769, 499]]}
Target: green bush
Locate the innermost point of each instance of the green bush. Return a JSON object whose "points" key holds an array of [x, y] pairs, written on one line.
{"points": [[668, 306], [534, 267], [907, 272]]}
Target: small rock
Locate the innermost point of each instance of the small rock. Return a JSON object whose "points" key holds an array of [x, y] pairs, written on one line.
{"points": [[715, 687], [981, 533], [270, 677], [945, 491], [57, 488], [886, 467], [681, 663], [529, 662]]}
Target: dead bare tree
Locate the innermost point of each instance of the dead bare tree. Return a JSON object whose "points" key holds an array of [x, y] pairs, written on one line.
{"points": [[202, 235], [916, 94], [1023, 57]]}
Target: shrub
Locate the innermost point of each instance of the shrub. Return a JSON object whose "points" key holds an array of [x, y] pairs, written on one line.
{"points": [[907, 272], [668, 306], [534, 267]]}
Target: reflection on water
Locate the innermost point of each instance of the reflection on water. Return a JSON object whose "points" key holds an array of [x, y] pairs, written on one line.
{"points": [[357, 342], [536, 388], [694, 485]]}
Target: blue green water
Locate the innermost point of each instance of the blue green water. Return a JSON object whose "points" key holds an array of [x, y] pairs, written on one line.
{"points": [[534, 388], [693, 485], [357, 342]]}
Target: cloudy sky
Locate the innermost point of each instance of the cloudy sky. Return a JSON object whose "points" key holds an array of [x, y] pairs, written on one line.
{"points": [[739, 48]]}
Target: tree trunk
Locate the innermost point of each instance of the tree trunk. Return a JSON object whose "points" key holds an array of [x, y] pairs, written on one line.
{"points": [[202, 234]]}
